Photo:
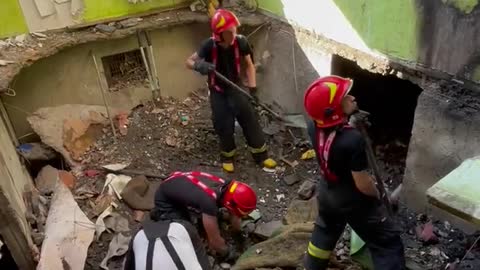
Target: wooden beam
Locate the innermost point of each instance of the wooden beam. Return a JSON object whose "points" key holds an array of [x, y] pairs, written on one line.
{"points": [[12, 229]]}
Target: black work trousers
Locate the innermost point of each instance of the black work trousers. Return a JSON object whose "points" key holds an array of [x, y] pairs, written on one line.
{"points": [[371, 222], [228, 106]]}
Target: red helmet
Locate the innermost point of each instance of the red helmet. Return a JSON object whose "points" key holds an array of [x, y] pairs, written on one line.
{"points": [[221, 21], [239, 199], [323, 100]]}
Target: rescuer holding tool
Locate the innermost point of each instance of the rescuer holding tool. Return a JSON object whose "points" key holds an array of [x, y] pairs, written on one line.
{"points": [[347, 192], [223, 53], [175, 199]]}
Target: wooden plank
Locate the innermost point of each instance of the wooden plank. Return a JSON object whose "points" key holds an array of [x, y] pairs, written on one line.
{"points": [[8, 124], [15, 232]]}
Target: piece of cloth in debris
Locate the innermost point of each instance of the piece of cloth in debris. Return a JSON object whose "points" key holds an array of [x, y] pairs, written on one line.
{"points": [[285, 249], [118, 247], [68, 233], [100, 226], [139, 193], [116, 184], [288, 244]]}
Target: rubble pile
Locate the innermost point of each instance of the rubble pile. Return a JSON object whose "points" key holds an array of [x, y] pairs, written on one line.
{"points": [[179, 136]]}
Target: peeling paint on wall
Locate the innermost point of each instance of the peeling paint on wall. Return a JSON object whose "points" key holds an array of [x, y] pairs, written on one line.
{"points": [[466, 6]]}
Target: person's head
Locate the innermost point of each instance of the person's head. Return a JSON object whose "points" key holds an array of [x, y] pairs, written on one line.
{"points": [[239, 199], [327, 101], [224, 26]]}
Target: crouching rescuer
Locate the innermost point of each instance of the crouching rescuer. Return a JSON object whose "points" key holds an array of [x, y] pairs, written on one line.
{"points": [[347, 192], [224, 53], [170, 241]]}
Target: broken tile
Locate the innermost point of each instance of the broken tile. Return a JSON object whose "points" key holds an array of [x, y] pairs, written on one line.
{"points": [[306, 190], [255, 215], [265, 230], [291, 179]]}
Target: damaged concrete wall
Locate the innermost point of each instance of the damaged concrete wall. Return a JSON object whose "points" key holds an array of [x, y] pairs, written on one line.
{"points": [[69, 77], [445, 133], [290, 63], [14, 181], [439, 35]]}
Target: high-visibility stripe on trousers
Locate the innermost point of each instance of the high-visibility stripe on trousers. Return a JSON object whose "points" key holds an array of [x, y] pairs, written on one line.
{"points": [[231, 105]]}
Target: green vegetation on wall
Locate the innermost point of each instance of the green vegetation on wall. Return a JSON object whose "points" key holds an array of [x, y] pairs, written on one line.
{"points": [[389, 27], [106, 9], [13, 22]]}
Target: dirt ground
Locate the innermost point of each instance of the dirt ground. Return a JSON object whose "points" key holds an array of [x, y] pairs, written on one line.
{"points": [[178, 136]]}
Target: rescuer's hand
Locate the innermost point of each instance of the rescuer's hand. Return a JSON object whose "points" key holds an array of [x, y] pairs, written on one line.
{"points": [[203, 67]]}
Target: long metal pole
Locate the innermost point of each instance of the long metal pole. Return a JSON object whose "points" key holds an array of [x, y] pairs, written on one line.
{"points": [[99, 77], [238, 88]]}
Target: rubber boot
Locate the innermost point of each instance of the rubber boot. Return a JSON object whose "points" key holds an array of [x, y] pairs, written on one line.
{"points": [[228, 167], [269, 163], [227, 161]]}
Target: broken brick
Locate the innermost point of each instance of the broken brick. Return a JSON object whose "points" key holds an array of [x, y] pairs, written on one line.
{"points": [[91, 173], [425, 233], [67, 178]]}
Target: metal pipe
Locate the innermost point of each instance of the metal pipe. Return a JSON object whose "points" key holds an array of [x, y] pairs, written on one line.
{"points": [[99, 77]]}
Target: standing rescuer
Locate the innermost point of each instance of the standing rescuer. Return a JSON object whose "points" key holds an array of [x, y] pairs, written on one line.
{"points": [[224, 53], [347, 193], [175, 199]]}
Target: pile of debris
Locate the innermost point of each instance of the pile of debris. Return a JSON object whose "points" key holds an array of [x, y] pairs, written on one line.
{"points": [[106, 203]]}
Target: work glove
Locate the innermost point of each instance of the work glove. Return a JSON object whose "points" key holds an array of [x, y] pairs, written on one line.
{"points": [[229, 256], [203, 67]]}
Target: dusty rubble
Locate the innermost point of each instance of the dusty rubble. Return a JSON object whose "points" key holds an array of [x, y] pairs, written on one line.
{"points": [[178, 135]]}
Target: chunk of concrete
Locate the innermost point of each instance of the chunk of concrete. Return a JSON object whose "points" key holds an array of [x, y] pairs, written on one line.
{"points": [[47, 179], [68, 127], [306, 190], [291, 179], [265, 230]]}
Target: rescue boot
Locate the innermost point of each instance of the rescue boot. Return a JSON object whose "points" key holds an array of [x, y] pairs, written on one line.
{"points": [[227, 161], [269, 163], [260, 155]]}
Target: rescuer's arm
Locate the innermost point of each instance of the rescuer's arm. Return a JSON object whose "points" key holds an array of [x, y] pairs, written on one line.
{"points": [[365, 183], [191, 60], [215, 239], [359, 165]]}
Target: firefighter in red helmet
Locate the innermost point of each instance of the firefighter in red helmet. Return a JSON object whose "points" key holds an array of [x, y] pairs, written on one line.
{"points": [[347, 192], [204, 194], [224, 52]]}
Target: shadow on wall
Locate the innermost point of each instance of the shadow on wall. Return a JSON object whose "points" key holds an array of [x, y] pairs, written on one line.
{"points": [[289, 64], [390, 100], [441, 35]]}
